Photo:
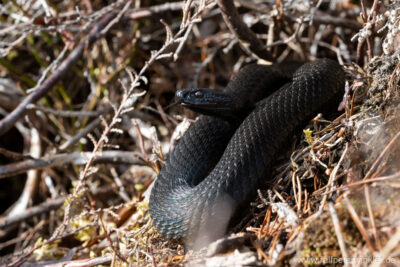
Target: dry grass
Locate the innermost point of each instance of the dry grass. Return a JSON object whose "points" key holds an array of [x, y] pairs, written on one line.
{"points": [[85, 99]]}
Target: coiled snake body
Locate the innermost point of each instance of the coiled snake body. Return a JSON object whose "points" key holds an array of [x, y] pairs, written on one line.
{"points": [[221, 160]]}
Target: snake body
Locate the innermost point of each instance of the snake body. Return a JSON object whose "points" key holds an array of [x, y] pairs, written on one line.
{"points": [[219, 163]]}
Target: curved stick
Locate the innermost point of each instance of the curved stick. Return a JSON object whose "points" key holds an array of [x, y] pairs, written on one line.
{"points": [[247, 38]]}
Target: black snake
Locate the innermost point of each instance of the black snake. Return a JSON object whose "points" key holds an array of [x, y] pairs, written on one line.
{"points": [[222, 159]]}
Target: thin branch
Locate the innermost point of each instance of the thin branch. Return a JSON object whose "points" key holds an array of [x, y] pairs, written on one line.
{"points": [[383, 153], [82, 133], [69, 113], [359, 223], [371, 216], [393, 176], [339, 232], [392, 244], [77, 158], [30, 212], [149, 11], [247, 38], [32, 180], [50, 204]]}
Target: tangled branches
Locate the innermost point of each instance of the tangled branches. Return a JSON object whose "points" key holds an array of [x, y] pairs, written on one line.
{"points": [[87, 114]]}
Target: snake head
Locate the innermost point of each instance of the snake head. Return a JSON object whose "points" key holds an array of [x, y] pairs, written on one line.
{"points": [[206, 101]]}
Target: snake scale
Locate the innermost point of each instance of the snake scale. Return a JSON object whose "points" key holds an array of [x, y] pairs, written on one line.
{"points": [[223, 157]]}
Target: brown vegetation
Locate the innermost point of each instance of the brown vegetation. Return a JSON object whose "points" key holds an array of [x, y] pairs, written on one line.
{"points": [[86, 93]]}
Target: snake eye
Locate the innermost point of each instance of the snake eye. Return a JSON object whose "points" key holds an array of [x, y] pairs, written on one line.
{"points": [[198, 94]]}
